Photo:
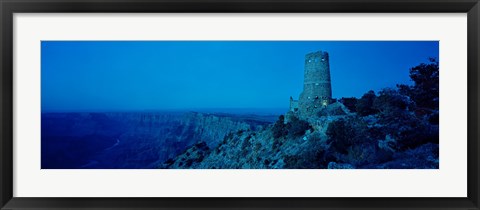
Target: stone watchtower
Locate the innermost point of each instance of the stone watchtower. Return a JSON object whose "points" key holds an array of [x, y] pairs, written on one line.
{"points": [[317, 89]]}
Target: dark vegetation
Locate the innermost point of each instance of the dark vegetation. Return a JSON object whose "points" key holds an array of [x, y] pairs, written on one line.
{"points": [[312, 156], [293, 128], [350, 103], [365, 106], [390, 124]]}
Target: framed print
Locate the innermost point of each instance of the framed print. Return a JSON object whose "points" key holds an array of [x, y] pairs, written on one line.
{"points": [[239, 105]]}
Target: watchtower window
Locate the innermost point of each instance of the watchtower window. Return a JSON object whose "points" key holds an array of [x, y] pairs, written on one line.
{"points": [[323, 59], [309, 60], [316, 60]]}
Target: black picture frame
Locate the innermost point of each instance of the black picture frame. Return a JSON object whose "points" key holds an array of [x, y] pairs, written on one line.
{"points": [[9, 7]]}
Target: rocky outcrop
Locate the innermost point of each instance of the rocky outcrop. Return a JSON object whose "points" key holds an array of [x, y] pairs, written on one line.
{"points": [[335, 139], [257, 150], [190, 158]]}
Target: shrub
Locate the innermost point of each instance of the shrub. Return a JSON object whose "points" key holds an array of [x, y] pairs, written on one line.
{"points": [[365, 104], [390, 101], [246, 143], [425, 92], [346, 132], [297, 127], [426, 89], [258, 147], [352, 141], [246, 146], [201, 145], [276, 145], [434, 118], [350, 103], [169, 162], [397, 119], [227, 137], [362, 154], [310, 155], [278, 128], [409, 130], [266, 162], [308, 160]]}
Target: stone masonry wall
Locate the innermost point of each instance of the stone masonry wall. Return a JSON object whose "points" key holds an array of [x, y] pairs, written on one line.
{"points": [[317, 89]]}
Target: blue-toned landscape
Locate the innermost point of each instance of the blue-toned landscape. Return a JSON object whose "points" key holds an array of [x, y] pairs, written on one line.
{"points": [[240, 105]]}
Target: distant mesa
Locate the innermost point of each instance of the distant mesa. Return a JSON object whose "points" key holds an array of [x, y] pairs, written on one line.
{"points": [[317, 87]]}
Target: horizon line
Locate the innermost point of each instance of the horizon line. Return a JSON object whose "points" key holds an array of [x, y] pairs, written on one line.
{"points": [[167, 110]]}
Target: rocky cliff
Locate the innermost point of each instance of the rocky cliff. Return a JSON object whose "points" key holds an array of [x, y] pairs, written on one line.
{"points": [[131, 139], [333, 139]]}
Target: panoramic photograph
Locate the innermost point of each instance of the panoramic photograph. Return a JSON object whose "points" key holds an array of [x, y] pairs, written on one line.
{"points": [[240, 105]]}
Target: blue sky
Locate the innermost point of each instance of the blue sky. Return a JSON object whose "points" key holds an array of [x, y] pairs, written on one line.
{"points": [[159, 75]]}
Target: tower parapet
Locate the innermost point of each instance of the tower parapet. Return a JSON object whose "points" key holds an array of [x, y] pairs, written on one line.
{"points": [[293, 104]]}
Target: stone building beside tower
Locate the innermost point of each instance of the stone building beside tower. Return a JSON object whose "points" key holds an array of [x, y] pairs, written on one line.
{"points": [[317, 88]]}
